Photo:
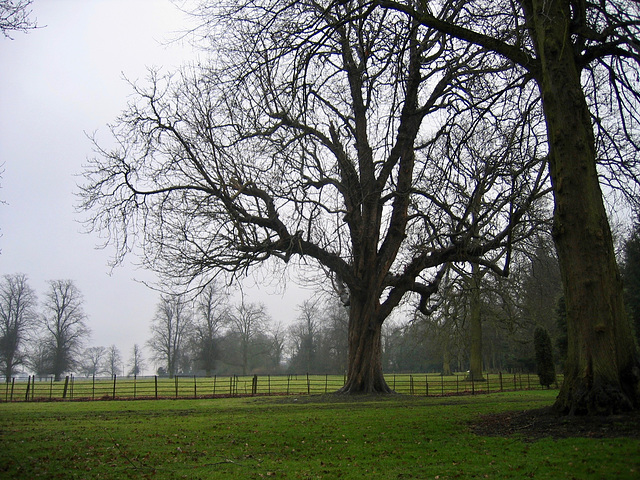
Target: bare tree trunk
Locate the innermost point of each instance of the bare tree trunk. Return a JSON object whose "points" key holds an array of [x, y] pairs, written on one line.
{"points": [[446, 358], [364, 373], [602, 371], [475, 326]]}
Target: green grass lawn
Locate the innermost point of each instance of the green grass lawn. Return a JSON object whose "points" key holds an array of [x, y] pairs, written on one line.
{"points": [[284, 437]]}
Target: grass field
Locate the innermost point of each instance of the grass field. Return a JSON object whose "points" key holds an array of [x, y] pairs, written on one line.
{"points": [[307, 437]]}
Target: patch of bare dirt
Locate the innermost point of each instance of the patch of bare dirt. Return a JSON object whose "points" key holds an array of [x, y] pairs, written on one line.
{"points": [[546, 423]]}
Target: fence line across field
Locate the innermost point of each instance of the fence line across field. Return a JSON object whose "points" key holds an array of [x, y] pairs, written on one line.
{"points": [[149, 387]]}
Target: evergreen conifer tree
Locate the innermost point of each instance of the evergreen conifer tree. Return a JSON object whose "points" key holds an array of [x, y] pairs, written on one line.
{"points": [[544, 357]]}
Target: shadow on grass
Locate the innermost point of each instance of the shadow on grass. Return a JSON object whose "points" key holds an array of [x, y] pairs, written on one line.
{"points": [[545, 422]]}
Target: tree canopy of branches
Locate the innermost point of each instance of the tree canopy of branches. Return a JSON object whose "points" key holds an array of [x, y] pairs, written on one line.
{"points": [[17, 318], [64, 325], [582, 56], [14, 16], [320, 135]]}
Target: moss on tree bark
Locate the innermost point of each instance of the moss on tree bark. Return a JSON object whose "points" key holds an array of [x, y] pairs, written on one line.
{"points": [[602, 374]]}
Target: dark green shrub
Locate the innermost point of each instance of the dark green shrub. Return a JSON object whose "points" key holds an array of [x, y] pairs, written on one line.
{"points": [[544, 357]]}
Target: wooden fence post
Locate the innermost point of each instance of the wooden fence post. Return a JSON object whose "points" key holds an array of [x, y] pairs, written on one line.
{"points": [[93, 387], [426, 385], [26, 396], [308, 385], [51, 389], [156, 383], [500, 375], [66, 385], [176, 379], [114, 386], [215, 377], [13, 383]]}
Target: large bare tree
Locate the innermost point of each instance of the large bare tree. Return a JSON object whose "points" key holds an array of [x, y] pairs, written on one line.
{"points": [[17, 318], [65, 330], [583, 58], [314, 136]]}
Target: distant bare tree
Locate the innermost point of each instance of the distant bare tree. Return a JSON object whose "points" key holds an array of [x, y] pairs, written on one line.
{"points": [[14, 16], [211, 313], [17, 318], [113, 364], [64, 325], [92, 362], [39, 359], [278, 334], [169, 330], [304, 335], [136, 362], [247, 321]]}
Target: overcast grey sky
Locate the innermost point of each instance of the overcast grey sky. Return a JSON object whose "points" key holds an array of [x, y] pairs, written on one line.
{"points": [[59, 83]]}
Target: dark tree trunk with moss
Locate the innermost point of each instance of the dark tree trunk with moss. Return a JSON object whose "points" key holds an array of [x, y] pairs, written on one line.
{"points": [[364, 374], [475, 325], [601, 374]]}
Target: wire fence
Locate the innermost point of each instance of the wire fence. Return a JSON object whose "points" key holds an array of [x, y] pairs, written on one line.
{"points": [[155, 387]]}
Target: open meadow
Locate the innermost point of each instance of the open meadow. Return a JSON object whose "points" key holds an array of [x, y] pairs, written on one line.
{"points": [[302, 437]]}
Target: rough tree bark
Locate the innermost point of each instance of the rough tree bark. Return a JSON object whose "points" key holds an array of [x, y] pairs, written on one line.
{"points": [[602, 374], [364, 374], [475, 325]]}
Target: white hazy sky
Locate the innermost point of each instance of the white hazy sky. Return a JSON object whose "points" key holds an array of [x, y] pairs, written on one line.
{"points": [[57, 84]]}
